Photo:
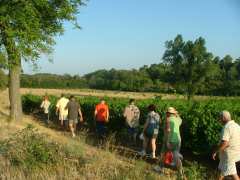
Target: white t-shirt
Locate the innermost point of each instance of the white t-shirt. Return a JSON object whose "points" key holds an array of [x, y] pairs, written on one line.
{"points": [[45, 105], [231, 133], [61, 104]]}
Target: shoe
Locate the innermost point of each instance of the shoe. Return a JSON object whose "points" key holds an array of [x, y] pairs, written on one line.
{"points": [[142, 153], [153, 157], [74, 135], [157, 169]]}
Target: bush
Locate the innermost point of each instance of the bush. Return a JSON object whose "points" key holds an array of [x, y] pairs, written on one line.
{"points": [[3, 80], [31, 150]]}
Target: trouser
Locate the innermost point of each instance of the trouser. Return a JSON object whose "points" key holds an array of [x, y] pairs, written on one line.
{"points": [[46, 118], [101, 129]]}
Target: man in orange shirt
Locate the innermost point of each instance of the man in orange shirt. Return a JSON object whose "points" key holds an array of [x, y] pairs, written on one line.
{"points": [[101, 115]]}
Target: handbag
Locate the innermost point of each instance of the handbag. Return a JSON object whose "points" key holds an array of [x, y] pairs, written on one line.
{"points": [[168, 158]]}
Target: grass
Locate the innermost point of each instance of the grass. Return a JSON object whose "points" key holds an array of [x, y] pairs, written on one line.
{"points": [[30, 151]]}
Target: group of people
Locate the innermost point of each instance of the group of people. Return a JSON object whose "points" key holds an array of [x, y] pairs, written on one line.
{"points": [[69, 113]]}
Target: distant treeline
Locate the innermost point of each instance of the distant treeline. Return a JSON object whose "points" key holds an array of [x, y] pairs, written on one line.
{"points": [[187, 67], [224, 79]]}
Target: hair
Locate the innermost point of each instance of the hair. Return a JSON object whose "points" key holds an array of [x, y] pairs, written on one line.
{"points": [[72, 96], [45, 97], [62, 95], [152, 107], [226, 115], [131, 101]]}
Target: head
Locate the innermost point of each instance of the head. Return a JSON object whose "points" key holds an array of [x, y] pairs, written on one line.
{"points": [[72, 98], [152, 107], [45, 97], [131, 101], [171, 111], [102, 101], [225, 116], [62, 95]]}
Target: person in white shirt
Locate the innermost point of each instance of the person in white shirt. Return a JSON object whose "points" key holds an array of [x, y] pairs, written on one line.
{"points": [[61, 111], [45, 106], [229, 148]]}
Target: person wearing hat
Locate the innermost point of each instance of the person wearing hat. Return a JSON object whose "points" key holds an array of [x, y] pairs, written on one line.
{"points": [[172, 135]]}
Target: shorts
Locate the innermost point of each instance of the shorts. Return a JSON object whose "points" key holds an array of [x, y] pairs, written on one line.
{"points": [[175, 146], [226, 166], [132, 130], [153, 135], [62, 117], [73, 121]]}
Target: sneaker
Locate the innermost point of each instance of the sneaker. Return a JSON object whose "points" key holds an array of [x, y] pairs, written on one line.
{"points": [[153, 157], [142, 153], [157, 169]]}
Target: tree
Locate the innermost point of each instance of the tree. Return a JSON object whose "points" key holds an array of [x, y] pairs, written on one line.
{"points": [[27, 29], [189, 62]]}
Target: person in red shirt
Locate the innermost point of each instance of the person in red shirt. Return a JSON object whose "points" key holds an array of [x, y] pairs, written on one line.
{"points": [[101, 115]]}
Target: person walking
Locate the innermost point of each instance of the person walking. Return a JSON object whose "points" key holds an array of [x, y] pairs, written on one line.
{"points": [[74, 110], [173, 137], [229, 147], [45, 106], [131, 114], [150, 130], [61, 111], [101, 115]]}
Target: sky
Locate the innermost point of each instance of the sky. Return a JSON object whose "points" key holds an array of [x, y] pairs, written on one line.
{"points": [[128, 34]]}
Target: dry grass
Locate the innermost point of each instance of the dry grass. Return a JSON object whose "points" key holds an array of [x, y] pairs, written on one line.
{"points": [[98, 93]]}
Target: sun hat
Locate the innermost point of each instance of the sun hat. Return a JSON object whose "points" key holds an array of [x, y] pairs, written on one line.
{"points": [[172, 110]]}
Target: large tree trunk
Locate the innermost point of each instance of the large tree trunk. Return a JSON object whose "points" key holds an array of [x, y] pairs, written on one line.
{"points": [[14, 91], [14, 66]]}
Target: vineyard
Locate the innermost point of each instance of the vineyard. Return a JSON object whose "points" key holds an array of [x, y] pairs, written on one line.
{"points": [[200, 128]]}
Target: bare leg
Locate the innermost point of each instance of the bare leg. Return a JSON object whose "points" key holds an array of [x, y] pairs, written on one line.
{"points": [[235, 177], [221, 177], [72, 129], [145, 143], [153, 143]]}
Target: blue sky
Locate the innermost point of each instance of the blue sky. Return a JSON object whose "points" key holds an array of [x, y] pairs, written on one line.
{"points": [[128, 34]]}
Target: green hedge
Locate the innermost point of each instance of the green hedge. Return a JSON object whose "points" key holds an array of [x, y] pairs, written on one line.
{"points": [[200, 129]]}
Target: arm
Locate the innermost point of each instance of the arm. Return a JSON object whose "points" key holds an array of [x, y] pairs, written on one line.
{"points": [[66, 107], [124, 112], [57, 107], [80, 114], [107, 118], [42, 104], [224, 142], [145, 125], [223, 145], [95, 113]]}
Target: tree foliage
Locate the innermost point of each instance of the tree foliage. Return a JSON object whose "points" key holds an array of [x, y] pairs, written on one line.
{"points": [[189, 61], [27, 29]]}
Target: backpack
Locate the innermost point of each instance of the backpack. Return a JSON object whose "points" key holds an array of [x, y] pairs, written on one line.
{"points": [[132, 115]]}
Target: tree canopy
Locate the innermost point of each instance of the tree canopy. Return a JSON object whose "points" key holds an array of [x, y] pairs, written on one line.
{"points": [[27, 29]]}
